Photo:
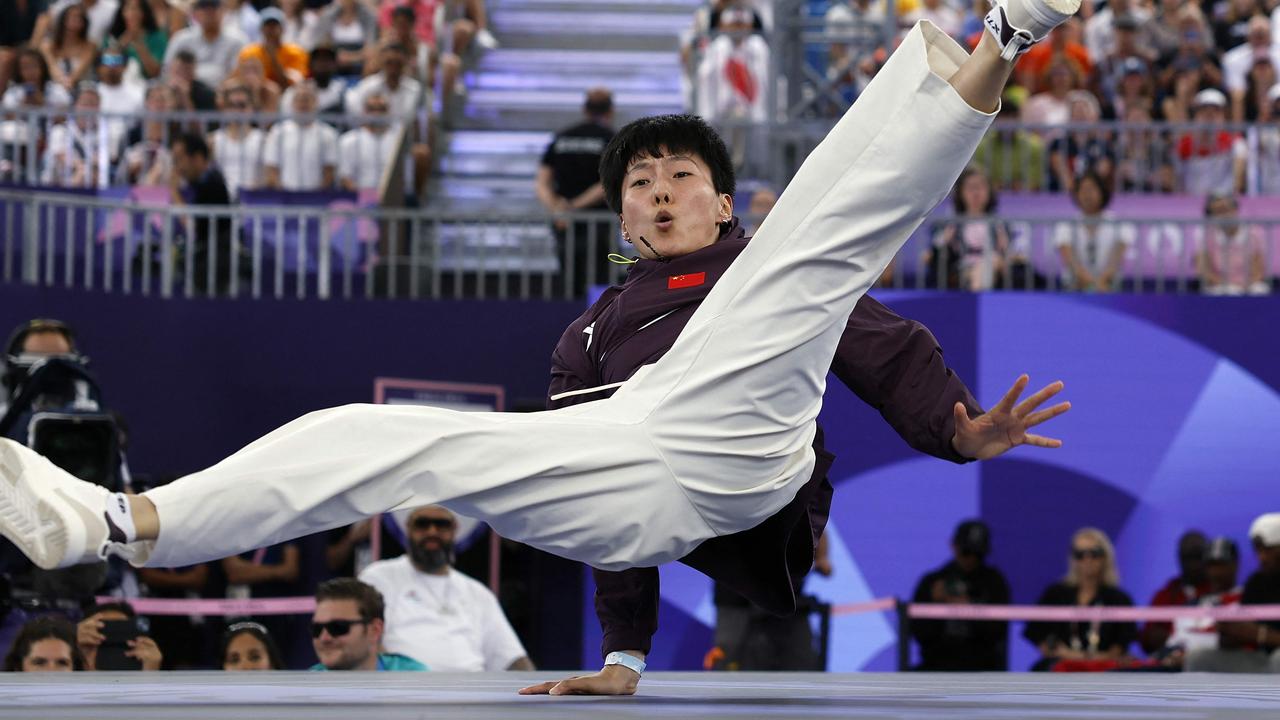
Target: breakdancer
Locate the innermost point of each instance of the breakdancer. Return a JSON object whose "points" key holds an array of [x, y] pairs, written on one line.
{"points": [[712, 439]]}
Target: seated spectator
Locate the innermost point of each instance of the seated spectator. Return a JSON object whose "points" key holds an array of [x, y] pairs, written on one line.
{"points": [[348, 627], [331, 89], [1127, 84], [1231, 257], [1010, 156], [216, 49], [117, 97], [733, 71], [1195, 45], [17, 28], [949, 646], [243, 16], [348, 26], [1081, 150], [90, 637], [180, 73], [365, 152], [168, 17], [249, 646], [1252, 647], [403, 92], [421, 57], [1187, 80], [35, 86], [301, 153], [1251, 104], [45, 644], [237, 145], [1263, 173], [1221, 562], [1061, 47], [423, 10], [69, 52], [1237, 61], [1146, 156], [251, 75], [299, 24], [436, 614], [1091, 581], [71, 156], [145, 159], [1213, 159], [137, 34], [1231, 22], [283, 63], [1051, 106], [98, 13], [1185, 589], [969, 250], [1101, 30], [1093, 249]]}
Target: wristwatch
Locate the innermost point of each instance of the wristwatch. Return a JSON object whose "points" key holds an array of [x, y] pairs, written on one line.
{"points": [[626, 660]]}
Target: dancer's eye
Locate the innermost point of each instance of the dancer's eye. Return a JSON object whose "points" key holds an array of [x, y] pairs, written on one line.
{"points": [[639, 182], [684, 173]]}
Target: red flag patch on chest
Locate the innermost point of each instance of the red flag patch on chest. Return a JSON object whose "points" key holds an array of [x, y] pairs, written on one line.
{"points": [[676, 282]]}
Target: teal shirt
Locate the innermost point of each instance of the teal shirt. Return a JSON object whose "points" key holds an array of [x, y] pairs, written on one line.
{"points": [[157, 42], [387, 662]]}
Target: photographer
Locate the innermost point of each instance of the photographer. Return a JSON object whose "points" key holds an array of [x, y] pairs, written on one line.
{"points": [[113, 637]]}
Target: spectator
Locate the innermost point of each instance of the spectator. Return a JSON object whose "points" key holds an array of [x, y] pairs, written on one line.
{"points": [[1187, 81], [36, 87], [1102, 31], [1091, 581], [1051, 107], [193, 166], [249, 646], [242, 16], [733, 71], [1012, 157], [70, 52], [1146, 160], [1081, 149], [237, 145], [436, 614], [348, 550], [331, 90], [1160, 32], [169, 18], [1237, 61], [301, 153], [1231, 22], [77, 154], [348, 26], [1221, 561], [146, 159], [1131, 89], [98, 13], [1232, 257], [17, 27], [958, 645], [423, 10], [215, 49], [90, 637], [1264, 158], [969, 251], [284, 63], [421, 57], [180, 73], [858, 32], [251, 75], [136, 33], [568, 180], [1185, 589], [404, 93], [1093, 248], [1213, 159], [1250, 646], [1034, 68], [948, 19], [348, 629], [299, 24], [118, 97], [45, 644], [1251, 104], [365, 152]]}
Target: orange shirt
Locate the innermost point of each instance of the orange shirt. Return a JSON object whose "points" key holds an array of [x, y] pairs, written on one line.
{"points": [[1033, 67], [290, 56]]}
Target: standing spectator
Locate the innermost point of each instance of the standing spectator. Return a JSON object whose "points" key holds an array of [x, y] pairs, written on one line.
{"points": [[299, 24], [137, 34], [237, 145], [1237, 61], [180, 73], [301, 152], [70, 52], [404, 93], [1091, 580], [90, 639], [118, 98], [1081, 149], [249, 646], [1213, 159], [77, 154], [284, 63], [349, 627], [960, 645], [1185, 589], [969, 251], [733, 71], [349, 27], [365, 152], [45, 644], [215, 49], [1093, 248], [17, 27], [1232, 256], [1222, 563], [1250, 646], [437, 615], [568, 180], [194, 168]]}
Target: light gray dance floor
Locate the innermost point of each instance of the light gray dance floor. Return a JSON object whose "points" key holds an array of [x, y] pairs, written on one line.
{"points": [[663, 696]]}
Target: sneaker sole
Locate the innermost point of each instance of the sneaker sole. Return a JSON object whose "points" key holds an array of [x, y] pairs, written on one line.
{"points": [[1066, 7], [27, 518]]}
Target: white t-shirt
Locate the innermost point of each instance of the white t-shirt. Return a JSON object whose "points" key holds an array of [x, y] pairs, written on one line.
{"points": [[1094, 243], [214, 59], [301, 153], [124, 99], [404, 102], [1237, 62], [363, 155], [239, 159], [54, 96], [450, 622]]}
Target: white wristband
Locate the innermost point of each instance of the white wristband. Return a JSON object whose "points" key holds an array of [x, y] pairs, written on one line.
{"points": [[631, 662]]}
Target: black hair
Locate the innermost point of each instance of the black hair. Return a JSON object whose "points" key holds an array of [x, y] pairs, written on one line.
{"points": [[148, 19], [48, 627], [957, 199], [193, 142], [404, 11], [1103, 188], [60, 25], [35, 54], [324, 51], [366, 596], [123, 608], [649, 137], [256, 630], [598, 105]]}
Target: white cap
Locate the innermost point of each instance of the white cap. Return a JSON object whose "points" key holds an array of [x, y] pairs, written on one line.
{"points": [[1210, 96], [1266, 529]]}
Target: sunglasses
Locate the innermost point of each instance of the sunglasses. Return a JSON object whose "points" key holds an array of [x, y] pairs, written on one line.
{"points": [[1097, 553], [336, 628], [423, 523]]}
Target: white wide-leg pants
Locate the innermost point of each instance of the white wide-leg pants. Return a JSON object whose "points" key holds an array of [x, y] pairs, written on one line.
{"points": [[711, 440]]}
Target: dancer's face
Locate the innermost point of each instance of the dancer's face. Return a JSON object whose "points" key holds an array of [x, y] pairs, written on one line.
{"points": [[672, 203]]}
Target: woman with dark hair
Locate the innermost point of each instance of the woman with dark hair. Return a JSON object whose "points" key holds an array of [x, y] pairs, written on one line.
{"points": [[1094, 247], [139, 36], [69, 52], [34, 86], [969, 250], [249, 646], [45, 644], [1253, 104]]}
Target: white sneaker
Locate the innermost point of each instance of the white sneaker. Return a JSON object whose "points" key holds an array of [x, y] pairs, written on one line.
{"points": [[1018, 24], [486, 39], [55, 519]]}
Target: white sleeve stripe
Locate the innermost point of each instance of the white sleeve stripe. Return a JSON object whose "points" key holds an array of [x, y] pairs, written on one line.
{"points": [[585, 391]]}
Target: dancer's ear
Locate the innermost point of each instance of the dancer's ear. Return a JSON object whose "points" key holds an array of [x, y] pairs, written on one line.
{"points": [[625, 235]]}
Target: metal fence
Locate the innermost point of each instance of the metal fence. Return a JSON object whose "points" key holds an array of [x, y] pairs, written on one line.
{"points": [[57, 239]]}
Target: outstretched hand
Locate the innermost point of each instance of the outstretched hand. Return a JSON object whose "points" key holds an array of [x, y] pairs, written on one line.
{"points": [[612, 680], [1005, 426]]}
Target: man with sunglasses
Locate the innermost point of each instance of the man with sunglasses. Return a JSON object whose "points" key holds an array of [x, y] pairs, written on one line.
{"points": [[437, 614], [347, 629]]}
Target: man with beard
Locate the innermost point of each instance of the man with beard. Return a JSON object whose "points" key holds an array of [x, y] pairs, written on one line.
{"points": [[436, 614], [348, 626]]}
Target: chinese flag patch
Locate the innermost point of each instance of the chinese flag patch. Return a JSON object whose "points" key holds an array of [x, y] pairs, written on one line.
{"points": [[676, 282]]}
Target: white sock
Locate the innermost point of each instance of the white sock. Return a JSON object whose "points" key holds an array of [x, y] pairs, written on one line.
{"points": [[120, 514]]}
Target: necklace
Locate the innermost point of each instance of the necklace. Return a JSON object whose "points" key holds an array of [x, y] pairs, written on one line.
{"points": [[446, 608]]}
